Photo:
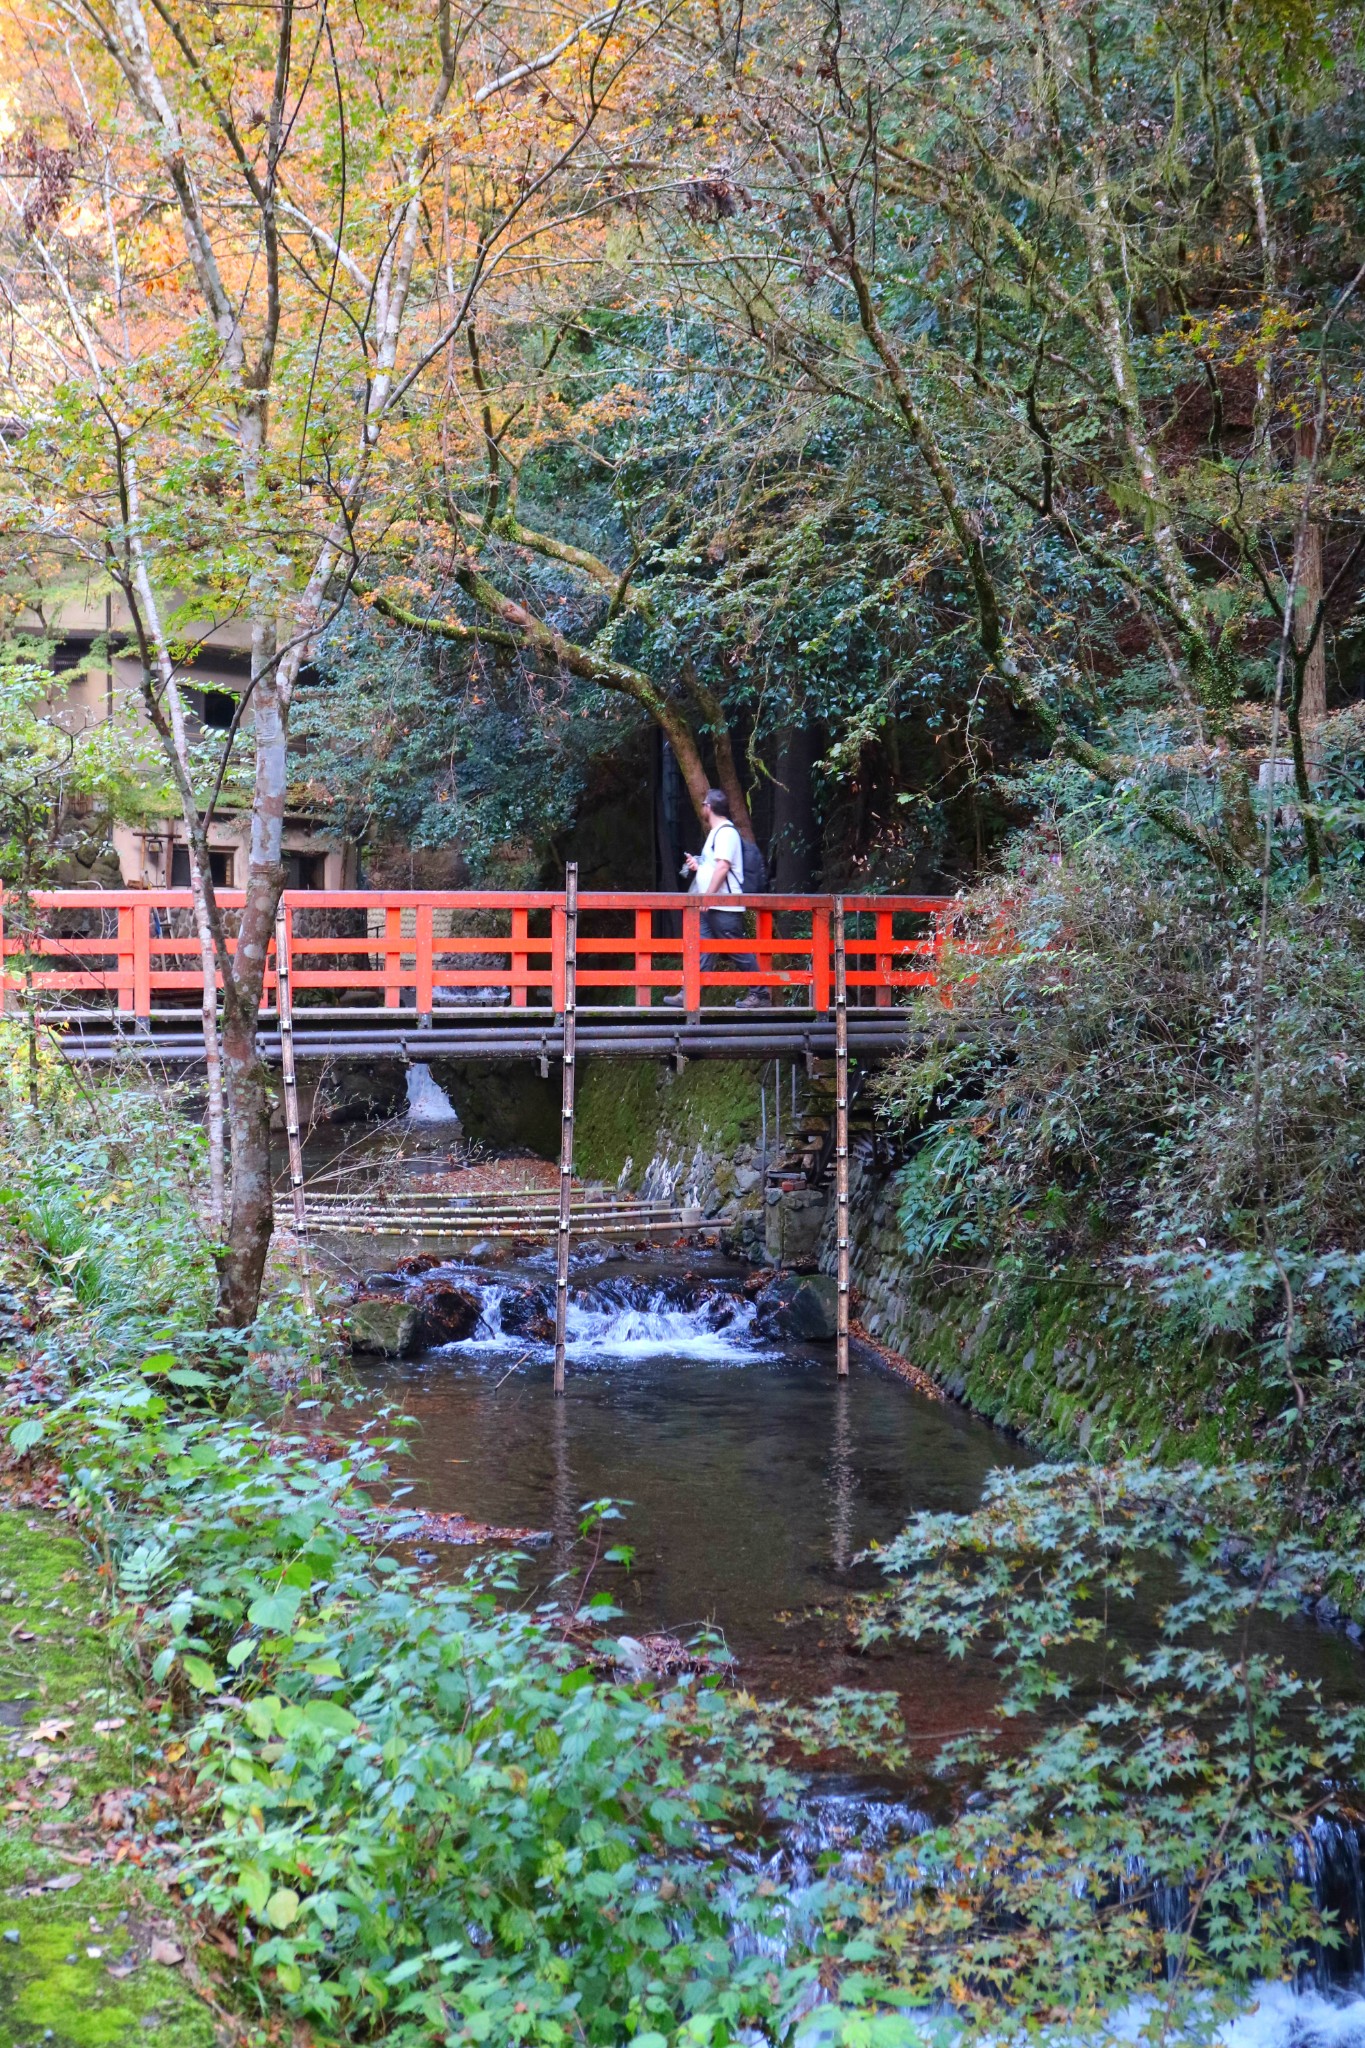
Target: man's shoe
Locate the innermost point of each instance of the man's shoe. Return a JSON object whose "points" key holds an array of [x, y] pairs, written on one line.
{"points": [[673, 1002], [756, 999]]}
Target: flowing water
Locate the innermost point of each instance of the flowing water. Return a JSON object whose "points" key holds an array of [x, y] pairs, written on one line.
{"points": [[753, 1478]]}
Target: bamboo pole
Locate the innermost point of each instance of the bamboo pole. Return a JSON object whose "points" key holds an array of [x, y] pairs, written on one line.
{"points": [[566, 1123], [284, 1004], [841, 1136]]}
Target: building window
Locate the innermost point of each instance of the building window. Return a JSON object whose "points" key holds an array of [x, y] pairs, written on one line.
{"points": [[220, 708], [305, 871], [220, 867]]}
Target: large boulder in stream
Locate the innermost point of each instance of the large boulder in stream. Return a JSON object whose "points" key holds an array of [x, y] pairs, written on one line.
{"points": [[801, 1305], [529, 1313], [446, 1314], [383, 1326]]}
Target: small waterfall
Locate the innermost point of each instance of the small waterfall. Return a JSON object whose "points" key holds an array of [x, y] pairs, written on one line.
{"points": [[610, 1320], [428, 1102]]}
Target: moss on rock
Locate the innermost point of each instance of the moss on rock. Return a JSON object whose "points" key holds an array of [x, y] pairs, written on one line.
{"points": [[1074, 1363], [633, 1110]]}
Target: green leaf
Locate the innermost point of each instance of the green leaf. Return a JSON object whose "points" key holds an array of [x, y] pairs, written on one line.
{"points": [[275, 1612], [330, 1718], [200, 1674], [282, 1907], [27, 1433]]}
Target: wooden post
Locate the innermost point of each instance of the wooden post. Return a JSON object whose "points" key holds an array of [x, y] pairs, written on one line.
{"points": [[519, 961], [841, 1136], [566, 1124], [284, 1004], [644, 957], [393, 955]]}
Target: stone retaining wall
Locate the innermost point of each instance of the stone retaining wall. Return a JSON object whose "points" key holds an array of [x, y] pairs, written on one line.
{"points": [[877, 1262]]}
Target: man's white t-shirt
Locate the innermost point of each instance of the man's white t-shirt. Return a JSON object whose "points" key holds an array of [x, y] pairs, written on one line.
{"points": [[722, 843]]}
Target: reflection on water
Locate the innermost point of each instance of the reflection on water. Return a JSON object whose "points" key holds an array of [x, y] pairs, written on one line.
{"points": [[754, 1476]]}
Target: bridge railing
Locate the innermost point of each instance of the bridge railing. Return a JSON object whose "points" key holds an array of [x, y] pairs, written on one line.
{"points": [[135, 951]]}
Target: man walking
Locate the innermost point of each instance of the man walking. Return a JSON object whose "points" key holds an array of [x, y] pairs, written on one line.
{"points": [[718, 872]]}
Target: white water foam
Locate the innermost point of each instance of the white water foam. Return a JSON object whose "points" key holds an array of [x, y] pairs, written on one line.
{"points": [[1277, 2016], [428, 1102], [635, 1321], [1285, 2018]]}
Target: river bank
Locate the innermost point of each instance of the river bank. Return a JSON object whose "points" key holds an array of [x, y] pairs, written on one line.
{"points": [[432, 1806], [95, 1949]]}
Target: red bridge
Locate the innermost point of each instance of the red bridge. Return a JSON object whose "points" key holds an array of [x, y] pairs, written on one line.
{"points": [[410, 974]]}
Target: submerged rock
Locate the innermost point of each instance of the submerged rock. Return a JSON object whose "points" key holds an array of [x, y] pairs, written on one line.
{"points": [[804, 1305], [385, 1326], [379, 1283]]}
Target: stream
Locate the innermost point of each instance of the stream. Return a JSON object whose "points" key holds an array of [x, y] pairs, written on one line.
{"points": [[750, 1478]]}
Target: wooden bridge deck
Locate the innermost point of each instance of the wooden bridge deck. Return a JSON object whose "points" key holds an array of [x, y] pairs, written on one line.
{"points": [[367, 1037]]}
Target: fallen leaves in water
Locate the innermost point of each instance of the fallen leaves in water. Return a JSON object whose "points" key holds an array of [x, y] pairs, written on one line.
{"points": [[655, 1656], [437, 1528]]}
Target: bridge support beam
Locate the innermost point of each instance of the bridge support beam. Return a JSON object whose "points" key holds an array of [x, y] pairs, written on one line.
{"points": [[566, 1119], [841, 1209]]}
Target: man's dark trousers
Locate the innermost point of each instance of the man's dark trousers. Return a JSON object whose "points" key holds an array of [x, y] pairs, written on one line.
{"points": [[726, 924]]}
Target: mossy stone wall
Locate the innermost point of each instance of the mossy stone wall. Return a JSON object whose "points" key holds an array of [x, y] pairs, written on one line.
{"points": [[635, 1109], [1076, 1362]]}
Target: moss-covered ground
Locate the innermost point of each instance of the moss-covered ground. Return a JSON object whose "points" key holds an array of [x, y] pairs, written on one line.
{"points": [[91, 1952]]}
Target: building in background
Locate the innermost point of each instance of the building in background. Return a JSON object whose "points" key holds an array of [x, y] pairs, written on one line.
{"points": [[212, 683]]}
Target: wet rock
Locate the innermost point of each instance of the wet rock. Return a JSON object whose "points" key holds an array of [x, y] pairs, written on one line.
{"points": [[804, 1306], [371, 1284], [446, 1315], [417, 1262], [384, 1325], [527, 1315]]}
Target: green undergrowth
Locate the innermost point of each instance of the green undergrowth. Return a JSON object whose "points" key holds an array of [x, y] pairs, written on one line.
{"points": [[87, 1937], [1134, 1142], [420, 1810], [632, 1111]]}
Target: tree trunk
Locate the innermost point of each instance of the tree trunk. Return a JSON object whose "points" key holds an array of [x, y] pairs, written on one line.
{"points": [[1312, 695], [252, 1215], [795, 846]]}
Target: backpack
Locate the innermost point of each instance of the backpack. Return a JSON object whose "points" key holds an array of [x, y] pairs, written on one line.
{"points": [[755, 875]]}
